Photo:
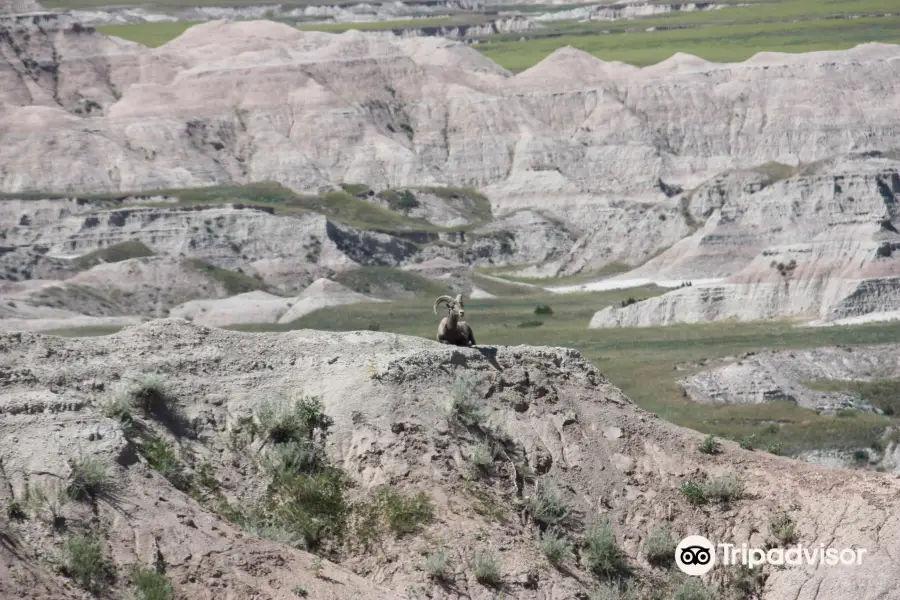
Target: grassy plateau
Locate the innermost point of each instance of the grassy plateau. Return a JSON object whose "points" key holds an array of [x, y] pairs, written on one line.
{"points": [[729, 34]]}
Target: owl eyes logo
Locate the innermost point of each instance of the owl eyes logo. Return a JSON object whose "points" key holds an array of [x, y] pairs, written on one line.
{"points": [[695, 555]]}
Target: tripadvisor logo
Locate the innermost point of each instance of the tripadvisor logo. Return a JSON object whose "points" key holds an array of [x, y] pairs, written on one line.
{"points": [[696, 555]]}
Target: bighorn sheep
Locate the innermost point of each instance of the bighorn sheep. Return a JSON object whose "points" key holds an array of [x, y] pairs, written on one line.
{"points": [[452, 330]]}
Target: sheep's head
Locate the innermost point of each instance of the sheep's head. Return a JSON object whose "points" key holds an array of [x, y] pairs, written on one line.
{"points": [[454, 305]]}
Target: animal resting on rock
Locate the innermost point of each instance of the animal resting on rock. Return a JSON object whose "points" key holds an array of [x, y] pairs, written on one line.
{"points": [[451, 329]]}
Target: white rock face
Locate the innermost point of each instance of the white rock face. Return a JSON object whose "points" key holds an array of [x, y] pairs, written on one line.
{"points": [[779, 375], [587, 161], [820, 244]]}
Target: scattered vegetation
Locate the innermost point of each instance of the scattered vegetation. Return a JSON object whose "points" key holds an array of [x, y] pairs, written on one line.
{"points": [[114, 253], [660, 547], [151, 585], [694, 590], [233, 281], [15, 511], [356, 189], [725, 489], [487, 568], [400, 201], [555, 546], [162, 458], [85, 562], [783, 529], [547, 504], [710, 445], [391, 511], [92, 479], [464, 411], [530, 323], [543, 309], [602, 554], [438, 566], [387, 282], [48, 498], [482, 455]]}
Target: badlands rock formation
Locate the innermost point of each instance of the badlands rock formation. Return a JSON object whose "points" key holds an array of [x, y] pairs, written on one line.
{"points": [[780, 375], [388, 397], [817, 242], [736, 168], [262, 307]]}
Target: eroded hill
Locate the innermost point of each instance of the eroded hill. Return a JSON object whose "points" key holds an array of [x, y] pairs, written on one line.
{"points": [[482, 433]]}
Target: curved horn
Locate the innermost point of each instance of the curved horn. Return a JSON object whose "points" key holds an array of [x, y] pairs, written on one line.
{"points": [[446, 299], [459, 299]]}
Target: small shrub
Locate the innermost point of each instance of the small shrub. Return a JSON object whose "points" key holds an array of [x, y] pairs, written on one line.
{"points": [[92, 479], [530, 324], [482, 455], [660, 547], [693, 590], [628, 302], [693, 492], [609, 591], [437, 565], [119, 408], [710, 445], [300, 591], [487, 568], [303, 421], [547, 504], [543, 309], [151, 585], [85, 562], [15, 511], [50, 497], [374, 326], [724, 489], [748, 443], [206, 478], [860, 455], [150, 392], [745, 581], [602, 554], [464, 409], [161, 457], [783, 529], [775, 448], [555, 546], [313, 506], [405, 514]]}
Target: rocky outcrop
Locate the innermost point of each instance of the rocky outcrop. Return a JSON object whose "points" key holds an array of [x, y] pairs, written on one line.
{"points": [[780, 376], [387, 396], [817, 244]]}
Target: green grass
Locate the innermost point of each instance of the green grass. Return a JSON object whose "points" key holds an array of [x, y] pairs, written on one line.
{"points": [[613, 268], [115, 253], [502, 288], [151, 35], [726, 35], [232, 281], [717, 43], [462, 19], [641, 360], [390, 282]]}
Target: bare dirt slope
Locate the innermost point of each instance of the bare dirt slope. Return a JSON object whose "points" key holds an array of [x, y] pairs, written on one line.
{"points": [[552, 413]]}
